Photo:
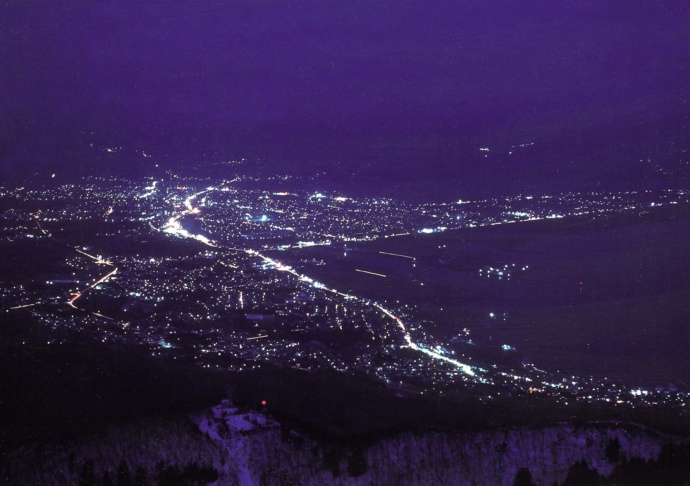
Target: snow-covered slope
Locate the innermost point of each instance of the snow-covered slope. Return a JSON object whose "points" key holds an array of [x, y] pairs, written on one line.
{"points": [[259, 452], [227, 446]]}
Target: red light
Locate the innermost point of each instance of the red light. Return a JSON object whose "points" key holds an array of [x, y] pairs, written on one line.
{"points": [[263, 403], [580, 283]]}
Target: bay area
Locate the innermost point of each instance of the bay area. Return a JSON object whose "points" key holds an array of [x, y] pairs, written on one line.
{"points": [[607, 298]]}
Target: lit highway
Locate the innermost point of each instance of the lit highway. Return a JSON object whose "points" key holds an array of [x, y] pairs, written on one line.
{"points": [[267, 310], [95, 284], [173, 227]]}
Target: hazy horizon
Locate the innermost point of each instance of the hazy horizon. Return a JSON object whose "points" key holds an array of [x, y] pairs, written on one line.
{"points": [[396, 91]]}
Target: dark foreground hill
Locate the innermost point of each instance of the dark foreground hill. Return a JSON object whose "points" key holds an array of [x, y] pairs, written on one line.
{"points": [[97, 415], [225, 445]]}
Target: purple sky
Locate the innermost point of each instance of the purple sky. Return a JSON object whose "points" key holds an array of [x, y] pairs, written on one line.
{"points": [[374, 85]]}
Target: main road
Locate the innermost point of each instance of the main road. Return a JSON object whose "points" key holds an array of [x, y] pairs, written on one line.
{"points": [[173, 227]]}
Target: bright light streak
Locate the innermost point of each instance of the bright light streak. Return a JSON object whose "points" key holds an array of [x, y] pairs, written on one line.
{"points": [[22, 306], [397, 254], [465, 368], [371, 273], [98, 259], [174, 227], [95, 284], [151, 189]]}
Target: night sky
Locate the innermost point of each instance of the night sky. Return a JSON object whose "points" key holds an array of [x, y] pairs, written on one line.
{"points": [[371, 90]]}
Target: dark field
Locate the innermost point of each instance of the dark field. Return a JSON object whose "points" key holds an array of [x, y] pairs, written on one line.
{"points": [[608, 297]]}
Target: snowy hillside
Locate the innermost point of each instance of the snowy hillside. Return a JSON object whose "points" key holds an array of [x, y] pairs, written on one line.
{"points": [[228, 446]]}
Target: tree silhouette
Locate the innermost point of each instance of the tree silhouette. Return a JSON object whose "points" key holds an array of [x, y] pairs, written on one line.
{"points": [[612, 451], [106, 481], [124, 478], [140, 477], [580, 474], [331, 460], [523, 477], [87, 476], [357, 462]]}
